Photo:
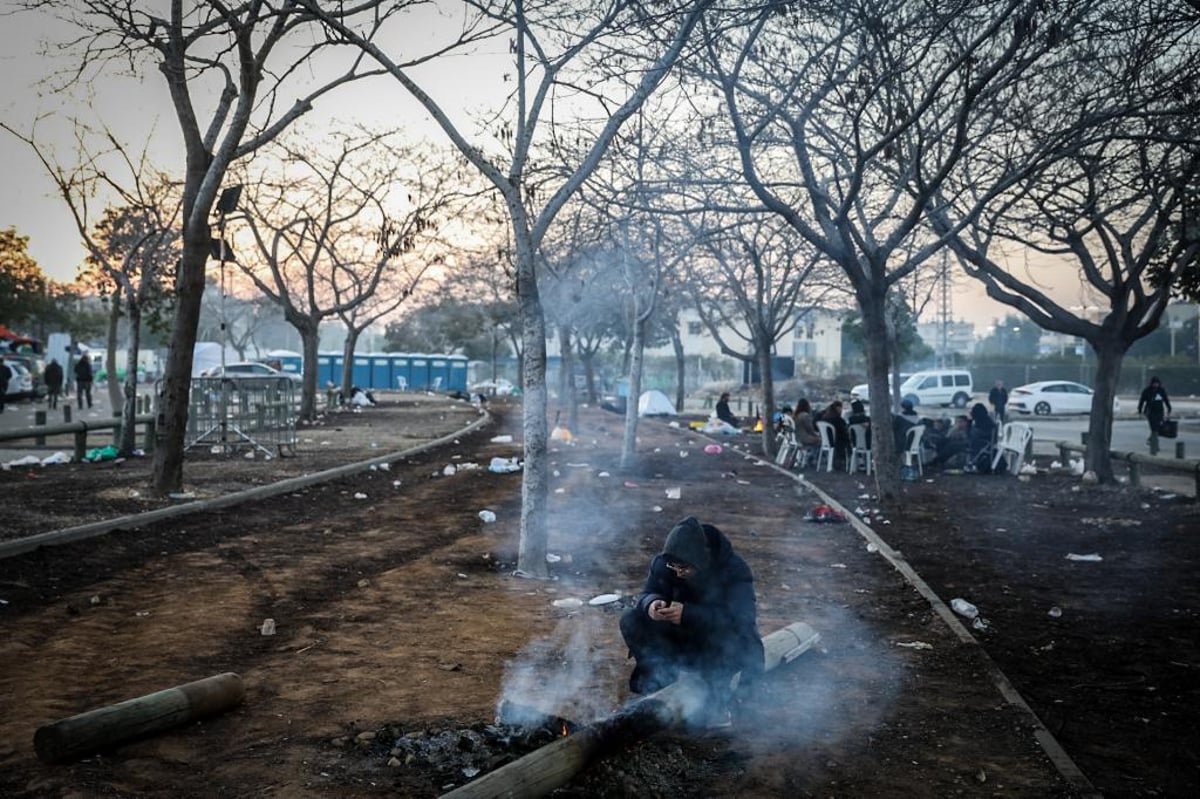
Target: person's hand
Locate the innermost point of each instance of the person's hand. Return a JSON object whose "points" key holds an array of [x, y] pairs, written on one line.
{"points": [[661, 610]]}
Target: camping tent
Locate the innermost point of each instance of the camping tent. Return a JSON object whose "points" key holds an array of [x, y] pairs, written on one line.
{"points": [[655, 403]]}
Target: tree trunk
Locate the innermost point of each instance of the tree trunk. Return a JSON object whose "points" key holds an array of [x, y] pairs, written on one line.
{"points": [[763, 353], [680, 368], [566, 379], [177, 378], [112, 384], [1109, 355], [348, 348], [636, 357], [883, 448], [129, 407], [589, 371], [531, 558], [309, 341]]}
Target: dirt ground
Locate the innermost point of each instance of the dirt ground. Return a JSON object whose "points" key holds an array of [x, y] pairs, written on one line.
{"points": [[400, 626]]}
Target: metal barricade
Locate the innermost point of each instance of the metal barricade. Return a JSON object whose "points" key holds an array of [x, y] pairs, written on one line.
{"points": [[231, 413]]}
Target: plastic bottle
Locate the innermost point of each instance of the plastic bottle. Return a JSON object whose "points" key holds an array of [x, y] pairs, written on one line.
{"points": [[964, 608]]}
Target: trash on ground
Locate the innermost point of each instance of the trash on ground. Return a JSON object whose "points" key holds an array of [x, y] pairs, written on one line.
{"points": [[964, 608], [56, 458], [267, 627], [450, 469], [1091, 557], [552, 558], [486, 516], [504, 465], [825, 515], [674, 493], [713, 449], [100, 454], [914, 645], [502, 439], [359, 495], [569, 602], [1054, 612], [604, 599]]}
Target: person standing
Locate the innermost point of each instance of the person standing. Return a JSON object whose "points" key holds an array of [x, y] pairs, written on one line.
{"points": [[83, 381], [54, 382], [5, 376], [1155, 403], [696, 613], [998, 397]]}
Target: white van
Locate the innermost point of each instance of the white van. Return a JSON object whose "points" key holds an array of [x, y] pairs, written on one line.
{"points": [[938, 387]]}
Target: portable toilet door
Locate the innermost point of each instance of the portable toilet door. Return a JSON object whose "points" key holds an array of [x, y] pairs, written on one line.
{"points": [[381, 371], [401, 368], [458, 373], [291, 363], [335, 367], [360, 375], [439, 373], [418, 371], [325, 370]]}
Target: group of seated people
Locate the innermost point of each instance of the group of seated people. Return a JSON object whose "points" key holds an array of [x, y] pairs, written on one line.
{"points": [[957, 443]]}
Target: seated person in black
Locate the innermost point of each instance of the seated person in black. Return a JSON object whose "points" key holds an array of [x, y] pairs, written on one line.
{"points": [[841, 430], [901, 422], [951, 446], [723, 412], [981, 434], [696, 613], [858, 415]]}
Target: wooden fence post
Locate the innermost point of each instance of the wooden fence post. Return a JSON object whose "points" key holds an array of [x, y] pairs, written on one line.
{"points": [[39, 419]]}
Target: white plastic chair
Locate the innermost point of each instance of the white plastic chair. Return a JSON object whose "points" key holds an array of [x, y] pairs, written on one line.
{"points": [[828, 437], [786, 441], [912, 449], [1014, 439], [858, 448]]}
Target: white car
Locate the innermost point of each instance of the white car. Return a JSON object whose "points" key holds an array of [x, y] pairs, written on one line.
{"points": [[498, 387], [862, 391], [1053, 396], [250, 369], [20, 385]]}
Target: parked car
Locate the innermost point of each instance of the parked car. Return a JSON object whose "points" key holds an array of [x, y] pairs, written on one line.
{"points": [[1053, 396], [862, 391], [20, 385], [931, 387], [250, 369]]}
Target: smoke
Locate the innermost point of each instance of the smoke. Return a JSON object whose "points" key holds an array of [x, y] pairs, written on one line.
{"points": [[558, 675]]}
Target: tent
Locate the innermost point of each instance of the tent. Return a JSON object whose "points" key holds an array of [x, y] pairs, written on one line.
{"points": [[655, 403]]}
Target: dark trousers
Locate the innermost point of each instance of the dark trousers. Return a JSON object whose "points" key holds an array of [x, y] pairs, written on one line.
{"points": [[52, 397], [3, 391], [662, 650], [83, 390]]}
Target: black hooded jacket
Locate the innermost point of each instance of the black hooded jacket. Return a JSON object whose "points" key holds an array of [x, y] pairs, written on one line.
{"points": [[718, 603]]}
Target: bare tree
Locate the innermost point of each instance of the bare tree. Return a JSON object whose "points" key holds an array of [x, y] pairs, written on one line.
{"points": [[229, 69], [559, 51], [132, 246], [1109, 197], [846, 118], [326, 231]]}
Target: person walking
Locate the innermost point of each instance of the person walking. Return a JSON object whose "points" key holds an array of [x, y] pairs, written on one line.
{"points": [[697, 614], [83, 381], [998, 397], [1156, 405], [54, 382], [5, 376]]}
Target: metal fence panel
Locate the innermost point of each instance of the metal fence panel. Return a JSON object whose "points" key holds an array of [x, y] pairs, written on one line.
{"points": [[231, 413]]}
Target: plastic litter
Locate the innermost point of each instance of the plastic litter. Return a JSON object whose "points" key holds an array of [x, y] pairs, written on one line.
{"points": [[914, 645], [552, 558], [964, 608], [268, 627], [674, 493], [604, 599], [713, 449], [101, 454], [1055, 612], [502, 439], [1091, 557], [359, 495], [487, 517], [56, 458], [569, 602], [450, 469], [825, 515], [504, 465]]}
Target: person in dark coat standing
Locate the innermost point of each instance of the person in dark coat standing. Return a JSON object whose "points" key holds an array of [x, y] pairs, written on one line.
{"points": [[998, 397], [54, 382], [696, 613], [1155, 403], [83, 381]]}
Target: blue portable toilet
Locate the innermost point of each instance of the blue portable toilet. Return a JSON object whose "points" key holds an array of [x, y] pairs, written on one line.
{"points": [[401, 367], [439, 372], [381, 371], [418, 371], [290, 362], [335, 368], [360, 374], [325, 369], [458, 373]]}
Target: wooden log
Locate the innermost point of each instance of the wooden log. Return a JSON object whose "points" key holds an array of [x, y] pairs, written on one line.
{"points": [[540, 772], [71, 738]]}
